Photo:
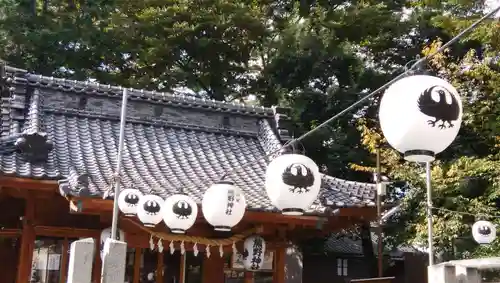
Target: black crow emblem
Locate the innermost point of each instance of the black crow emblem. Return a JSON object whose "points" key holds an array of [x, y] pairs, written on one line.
{"points": [[484, 230], [298, 177], [182, 209], [131, 199], [445, 110], [151, 207]]}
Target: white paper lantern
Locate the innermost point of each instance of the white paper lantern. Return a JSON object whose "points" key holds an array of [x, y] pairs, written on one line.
{"points": [[420, 116], [179, 213], [128, 201], [149, 210], [484, 232], [223, 205], [292, 183], [105, 234], [253, 255]]}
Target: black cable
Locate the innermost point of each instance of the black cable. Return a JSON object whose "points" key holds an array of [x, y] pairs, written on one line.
{"points": [[477, 215]]}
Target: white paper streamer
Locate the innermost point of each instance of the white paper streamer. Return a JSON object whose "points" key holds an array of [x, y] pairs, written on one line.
{"points": [[151, 243], [172, 247], [195, 249], [160, 246], [207, 250]]}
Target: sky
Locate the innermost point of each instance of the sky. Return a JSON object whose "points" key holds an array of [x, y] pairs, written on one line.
{"points": [[491, 4]]}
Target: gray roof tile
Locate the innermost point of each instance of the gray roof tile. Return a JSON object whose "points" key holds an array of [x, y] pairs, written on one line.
{"points": [[349, 242], [171, 142]]}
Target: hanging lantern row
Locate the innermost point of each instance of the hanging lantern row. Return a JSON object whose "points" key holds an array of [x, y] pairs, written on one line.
{"points": [[419, 115], [223, 206], [292, 183]]}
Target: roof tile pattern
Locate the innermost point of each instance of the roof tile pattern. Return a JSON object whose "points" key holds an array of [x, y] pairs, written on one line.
{"points": [[161, 155]]}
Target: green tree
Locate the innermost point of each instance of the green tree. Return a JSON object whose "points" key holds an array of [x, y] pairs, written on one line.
{"points": [[466, 177]]}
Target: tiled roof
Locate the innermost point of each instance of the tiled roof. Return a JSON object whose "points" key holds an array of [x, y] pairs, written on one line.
{"points": [[349, 243], [68, 131]]}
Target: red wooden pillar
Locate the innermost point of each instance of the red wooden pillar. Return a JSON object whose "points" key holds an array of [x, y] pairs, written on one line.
{"points": [[27, 242], [213, 269], [96, 269], [248, 277], [279, 264]]}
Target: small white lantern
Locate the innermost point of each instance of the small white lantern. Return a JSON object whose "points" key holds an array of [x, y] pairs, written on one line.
{"points": [[105, 234], [149, 210], [292, 183], [223, 205], [253, 255], [484, 232], [420, 116], [128, 201], [179, 213]]}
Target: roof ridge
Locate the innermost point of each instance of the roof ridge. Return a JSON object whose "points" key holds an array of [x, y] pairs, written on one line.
{"points": [[326, 176], [140, 93], [152, 123]]}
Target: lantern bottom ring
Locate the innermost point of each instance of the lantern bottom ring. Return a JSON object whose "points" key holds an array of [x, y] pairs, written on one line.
{"points": [[419, 155], [292, 211], [149, 225], [177, 230], [222, 228]]}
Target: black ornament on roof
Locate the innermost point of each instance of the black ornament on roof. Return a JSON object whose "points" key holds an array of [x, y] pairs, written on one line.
{"points": [[34, 144]]}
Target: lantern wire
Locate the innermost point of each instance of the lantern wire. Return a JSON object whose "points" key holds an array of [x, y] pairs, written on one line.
{"points": [[476, 215], [408, 71]]}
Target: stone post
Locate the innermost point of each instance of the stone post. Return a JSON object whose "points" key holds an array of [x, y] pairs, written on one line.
{"points": [[113, 261], [80, 261], [441, 273]]}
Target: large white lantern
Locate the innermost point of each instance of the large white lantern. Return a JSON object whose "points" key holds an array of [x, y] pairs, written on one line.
{"points": [[128, 201], [253, 255], [179, 213], [223, 205], [105, 234], [484, 232], [149, 210], [420, 116], [292, 183]]}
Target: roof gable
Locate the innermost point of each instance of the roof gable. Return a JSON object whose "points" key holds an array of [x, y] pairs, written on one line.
{"points": [[171, 142]]}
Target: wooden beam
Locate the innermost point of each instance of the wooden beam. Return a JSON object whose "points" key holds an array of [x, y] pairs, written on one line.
{"points": [[66, 232], [19, 192], [25, 183], [10, 232], [367, 212], [97, 206]]}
